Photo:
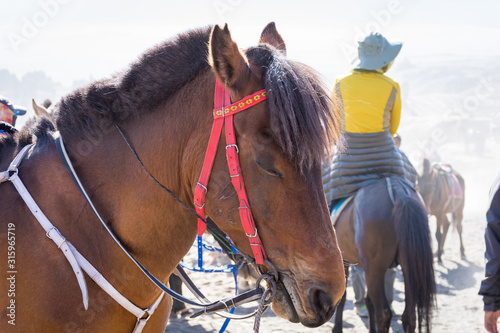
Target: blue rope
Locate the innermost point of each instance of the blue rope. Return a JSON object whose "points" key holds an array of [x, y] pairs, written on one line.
{"points": [[212, 248], [210, 269], [214, 269], [226, 322]]}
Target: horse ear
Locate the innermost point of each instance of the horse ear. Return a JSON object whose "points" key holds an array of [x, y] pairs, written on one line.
{"points": [[230, 65], [271, 36], [40, 110]]}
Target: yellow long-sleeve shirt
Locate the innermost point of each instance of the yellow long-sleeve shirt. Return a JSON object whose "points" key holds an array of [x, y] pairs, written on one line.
{"points": [[368, 102]]}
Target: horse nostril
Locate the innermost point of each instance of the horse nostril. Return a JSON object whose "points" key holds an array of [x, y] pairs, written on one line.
{"points": [[323, 303]]}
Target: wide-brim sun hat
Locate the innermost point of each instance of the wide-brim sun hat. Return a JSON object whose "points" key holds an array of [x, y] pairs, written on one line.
{"points": [[10, 112], [16, 109], [376, 52]]}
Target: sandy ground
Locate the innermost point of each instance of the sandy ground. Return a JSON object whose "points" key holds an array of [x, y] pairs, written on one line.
{"points": [[459, 307]]}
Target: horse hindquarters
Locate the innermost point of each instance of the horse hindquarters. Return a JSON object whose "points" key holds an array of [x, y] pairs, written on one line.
{"points": [[416, 260]]}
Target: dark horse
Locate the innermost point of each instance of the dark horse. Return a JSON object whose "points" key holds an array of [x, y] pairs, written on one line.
{"points": [[443, 191], [164, 105], [378, 230]]}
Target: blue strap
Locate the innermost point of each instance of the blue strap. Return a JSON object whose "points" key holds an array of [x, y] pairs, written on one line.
{"points": [[230, 268], [226, 322], [337, 206], [200, 252]]}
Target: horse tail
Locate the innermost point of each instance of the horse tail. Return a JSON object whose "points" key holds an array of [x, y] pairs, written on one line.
{"points": [[416, 259]]}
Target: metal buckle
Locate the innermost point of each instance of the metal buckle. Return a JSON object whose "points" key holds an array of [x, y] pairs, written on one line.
{"points": [[145, 319], [50, 229], [227, 307], [199, 207], [9, 173], [271, 287], [198, 183], [235, 146], [254, 235]]}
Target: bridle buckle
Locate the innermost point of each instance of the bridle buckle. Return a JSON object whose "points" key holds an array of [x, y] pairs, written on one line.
{"points": [[235, 146]]}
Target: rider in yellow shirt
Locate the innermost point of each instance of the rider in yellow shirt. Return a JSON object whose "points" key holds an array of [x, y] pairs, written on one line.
{"points": [[368, 100], [369, 104]]}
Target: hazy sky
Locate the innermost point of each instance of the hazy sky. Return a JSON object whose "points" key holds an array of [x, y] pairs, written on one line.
{"points": [[80, 39]]}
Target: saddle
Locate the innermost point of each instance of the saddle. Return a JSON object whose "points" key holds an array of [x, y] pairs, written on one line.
{"points": [[447, 178]]}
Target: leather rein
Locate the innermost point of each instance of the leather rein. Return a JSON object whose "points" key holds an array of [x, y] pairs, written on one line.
{"points": [[223, 116]]}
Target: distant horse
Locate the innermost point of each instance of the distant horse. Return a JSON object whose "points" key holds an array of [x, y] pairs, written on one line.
{"points": [[162, 108], [385, 225], [443, 191]]}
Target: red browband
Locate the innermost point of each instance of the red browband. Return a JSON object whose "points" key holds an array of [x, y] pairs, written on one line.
{"points": [[241, 105], [222, 101]]}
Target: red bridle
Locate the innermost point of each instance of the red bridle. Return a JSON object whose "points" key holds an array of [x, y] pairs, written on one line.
{"points": [[223, 116]]}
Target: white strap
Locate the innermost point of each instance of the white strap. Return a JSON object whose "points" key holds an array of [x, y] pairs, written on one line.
{"points": [[53, 234], [17, 160], [119, 298], [141, 322], [74, 257], [107, 287], [4, 176]]}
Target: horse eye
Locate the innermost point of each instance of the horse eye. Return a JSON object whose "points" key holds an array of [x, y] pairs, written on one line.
{"points": [[268, 168], [274, 173], [266, 135]]}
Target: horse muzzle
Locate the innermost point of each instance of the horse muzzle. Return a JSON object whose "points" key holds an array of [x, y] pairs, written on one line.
{"points": [[312, 308]]}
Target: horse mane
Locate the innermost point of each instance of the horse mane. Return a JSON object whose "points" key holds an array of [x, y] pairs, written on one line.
{"points": [[36, 130], [143, 87], [301, 111]]}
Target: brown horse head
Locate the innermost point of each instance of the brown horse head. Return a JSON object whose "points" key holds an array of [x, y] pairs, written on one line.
{"points": [[281, 144], [164, 104]]}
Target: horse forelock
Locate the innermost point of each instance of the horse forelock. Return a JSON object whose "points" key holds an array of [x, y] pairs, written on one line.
{"points": [[301, 112]]}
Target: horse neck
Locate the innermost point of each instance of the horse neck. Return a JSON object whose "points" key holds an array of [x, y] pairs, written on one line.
{"points": [[150, 223], [438, 195]]}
